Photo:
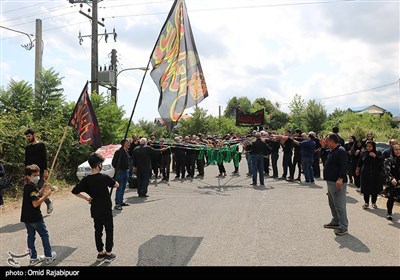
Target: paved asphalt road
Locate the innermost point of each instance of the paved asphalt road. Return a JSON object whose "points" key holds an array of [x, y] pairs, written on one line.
{"points": [[218, 222]]}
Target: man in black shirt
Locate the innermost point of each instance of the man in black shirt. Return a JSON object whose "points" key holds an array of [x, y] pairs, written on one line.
{"points": [[96, 186], [258, 151], [121, 163], [142, 166], [335, 174], [32, 216], [35, 153]]}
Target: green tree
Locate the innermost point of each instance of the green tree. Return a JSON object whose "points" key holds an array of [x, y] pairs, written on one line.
{"points": [[199, 122], [18, 97], [49, 99], [297, 106], [109, 117], [314, 116], [233, 103], [278, 120]]}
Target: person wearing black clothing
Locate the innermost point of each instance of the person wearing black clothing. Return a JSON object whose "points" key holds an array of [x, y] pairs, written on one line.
{"points": [[287, 147], [121, 163], [348, 146], [142, 165], [336, 131], [392, 172], [35, 153], [247, 145], [335, 174], [297, 155], [275, 145], [180, 153], [31, 215], [258, 151], [165, 161], [96, 186], [355, 154], [390, 151], [368, 167], [317, 156], [190, 158], [200, 161], [132, 146]]}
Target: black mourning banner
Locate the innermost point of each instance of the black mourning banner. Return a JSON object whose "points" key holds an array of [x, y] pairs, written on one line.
{"points": [[249, 119], [84, 120], [176, 65]]}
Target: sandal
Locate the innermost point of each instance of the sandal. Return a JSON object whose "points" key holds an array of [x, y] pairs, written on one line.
{"points": [[365, 206]]}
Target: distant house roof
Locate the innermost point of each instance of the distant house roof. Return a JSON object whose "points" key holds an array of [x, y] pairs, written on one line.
{"points": [[372, 109], [396, 119]]}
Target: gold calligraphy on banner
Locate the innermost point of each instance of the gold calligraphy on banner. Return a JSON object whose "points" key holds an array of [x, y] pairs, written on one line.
{"points": [[82, 121]]}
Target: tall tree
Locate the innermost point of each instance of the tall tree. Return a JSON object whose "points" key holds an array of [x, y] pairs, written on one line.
{"points": [[315, 116], [49, 98], [241, 102], [296, 107], [199, 122], [18, 97], [109, 117]]}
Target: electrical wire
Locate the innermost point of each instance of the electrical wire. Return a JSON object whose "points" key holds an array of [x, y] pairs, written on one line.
{"points": [[351, 93]]}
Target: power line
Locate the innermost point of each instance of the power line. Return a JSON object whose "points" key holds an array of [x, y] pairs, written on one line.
{"points": [[17, 9], [354, 92], [53, 9], [240, 7]]}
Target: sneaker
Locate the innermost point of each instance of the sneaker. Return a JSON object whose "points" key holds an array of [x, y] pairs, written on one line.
{"points": [[117, 207], [389, 217], [33, 262], [50, 207], [51, 259], [340, 231], [365, 206], [109, 258], [331, 225], [374, 206], [101, 257]]}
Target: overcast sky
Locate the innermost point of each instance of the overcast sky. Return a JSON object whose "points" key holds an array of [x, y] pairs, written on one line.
{"points": [[253, 48]]}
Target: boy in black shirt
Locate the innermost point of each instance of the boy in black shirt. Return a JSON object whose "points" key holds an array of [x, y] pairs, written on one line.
{"points": [[32, 216], [96, 186]]}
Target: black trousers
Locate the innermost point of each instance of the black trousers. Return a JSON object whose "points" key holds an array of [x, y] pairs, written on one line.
{"points": [[274, 159], [200, 166], [296, 161], [287, 163], [374, 197], [393, 193], [99, 224]]}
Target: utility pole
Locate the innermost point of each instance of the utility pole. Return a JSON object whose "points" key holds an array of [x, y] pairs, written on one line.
{"points": [[38, 54], [94, 39], [95, 49], [114, 68]]}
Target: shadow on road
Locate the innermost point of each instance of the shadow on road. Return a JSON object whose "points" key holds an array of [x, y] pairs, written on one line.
{"points": [[63, 252], [12, 228], [164, 250], [351, 200], [352, 243]]}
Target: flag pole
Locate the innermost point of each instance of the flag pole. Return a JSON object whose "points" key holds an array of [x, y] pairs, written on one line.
{"points": [[141, 84], [58, 151]]}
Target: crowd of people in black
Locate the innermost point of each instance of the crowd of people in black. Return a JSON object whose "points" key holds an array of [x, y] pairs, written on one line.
{"points": [[356, 161]]}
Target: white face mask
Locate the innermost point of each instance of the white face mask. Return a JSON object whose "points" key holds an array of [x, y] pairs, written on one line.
{"points": [[35, 179]]}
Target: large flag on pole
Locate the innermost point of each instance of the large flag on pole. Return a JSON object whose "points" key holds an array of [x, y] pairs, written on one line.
{"points": [[176, 66], [84, 121]]}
